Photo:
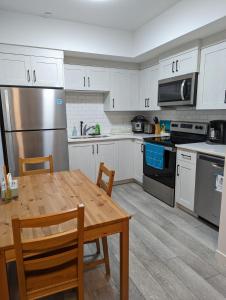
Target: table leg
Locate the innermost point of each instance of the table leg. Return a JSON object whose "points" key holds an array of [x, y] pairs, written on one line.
{"points": [[3, 277], [124, 261]]}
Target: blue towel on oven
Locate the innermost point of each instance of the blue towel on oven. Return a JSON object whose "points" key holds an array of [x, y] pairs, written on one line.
{"points": [[155, 156]]}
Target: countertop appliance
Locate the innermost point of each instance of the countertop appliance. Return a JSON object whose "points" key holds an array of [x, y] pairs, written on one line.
{"points": [[161, 182], [177, 91], [208, 192], [217, 131], [149, 128], [138, 124], [33, 123]]}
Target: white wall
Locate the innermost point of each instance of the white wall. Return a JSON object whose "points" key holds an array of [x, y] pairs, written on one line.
{"points": [[37, 31], [181, 19]]}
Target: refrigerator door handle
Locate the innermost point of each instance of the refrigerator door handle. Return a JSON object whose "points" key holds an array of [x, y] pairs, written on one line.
{"points": [[7, 111], [10, 154]]}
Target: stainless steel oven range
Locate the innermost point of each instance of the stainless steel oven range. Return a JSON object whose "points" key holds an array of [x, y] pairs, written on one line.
{"points": [[159, 161]]}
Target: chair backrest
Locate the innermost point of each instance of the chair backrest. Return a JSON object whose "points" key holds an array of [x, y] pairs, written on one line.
{"points": [[58, 249], [107, 186], [33, 161]]}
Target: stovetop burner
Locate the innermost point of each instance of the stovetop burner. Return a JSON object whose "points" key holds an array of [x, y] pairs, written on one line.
{"points": [[182, 133]]}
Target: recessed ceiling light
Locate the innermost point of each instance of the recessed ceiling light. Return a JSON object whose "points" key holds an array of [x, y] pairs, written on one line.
{"points": [[47, 13]]}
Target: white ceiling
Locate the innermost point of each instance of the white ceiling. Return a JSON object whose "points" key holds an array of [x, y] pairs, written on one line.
{"points": [[120, 14]]}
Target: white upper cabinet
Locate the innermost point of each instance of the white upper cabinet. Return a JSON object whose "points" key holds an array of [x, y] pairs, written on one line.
{"points": [[47, 71], [149, 89], [75, 77], [31, 70], [180, 64], [212, 78], [124, 90], [83, 78], [15, 69], [98, 79]]}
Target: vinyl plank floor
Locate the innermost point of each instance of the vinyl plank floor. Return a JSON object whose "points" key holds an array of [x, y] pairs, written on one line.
{"points": [[172, 255]]}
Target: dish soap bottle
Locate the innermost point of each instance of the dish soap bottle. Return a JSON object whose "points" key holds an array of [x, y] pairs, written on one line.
{"points": [[97, 129]]}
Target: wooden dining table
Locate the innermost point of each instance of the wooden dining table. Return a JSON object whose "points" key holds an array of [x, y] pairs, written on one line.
{"points": [[51, 193]]}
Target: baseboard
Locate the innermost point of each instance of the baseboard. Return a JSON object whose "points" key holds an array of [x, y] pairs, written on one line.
{"points": [[221, 257], [118, 182]]}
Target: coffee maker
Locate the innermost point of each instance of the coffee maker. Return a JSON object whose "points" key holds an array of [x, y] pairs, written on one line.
{"points": [[217, 131]]}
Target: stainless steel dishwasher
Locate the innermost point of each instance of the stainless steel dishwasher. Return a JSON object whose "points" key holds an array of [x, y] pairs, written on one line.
{"points": [[208, 192]]}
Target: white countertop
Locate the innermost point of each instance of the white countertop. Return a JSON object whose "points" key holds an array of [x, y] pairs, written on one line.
{"points": [[212, 149], [111, 137]]}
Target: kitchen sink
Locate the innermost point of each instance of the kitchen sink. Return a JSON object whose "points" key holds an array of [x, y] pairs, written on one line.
{"points": [[88, 137]]}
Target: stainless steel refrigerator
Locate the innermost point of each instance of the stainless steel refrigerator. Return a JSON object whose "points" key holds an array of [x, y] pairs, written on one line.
{"points": [[33, 123]]}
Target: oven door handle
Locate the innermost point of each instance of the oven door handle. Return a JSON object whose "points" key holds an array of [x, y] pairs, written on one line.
{"points": [[182, 89]]}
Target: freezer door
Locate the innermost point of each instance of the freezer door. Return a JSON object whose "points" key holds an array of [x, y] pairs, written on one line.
{"points": [[33, 108], [37, 143]]}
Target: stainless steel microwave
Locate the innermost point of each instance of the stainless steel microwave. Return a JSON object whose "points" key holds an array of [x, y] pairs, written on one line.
{"points": [[177, 91]]}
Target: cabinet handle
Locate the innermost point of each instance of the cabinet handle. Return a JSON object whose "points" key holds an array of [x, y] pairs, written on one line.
{"points": [[225, 97], [113, 100], [148, 102], [34, 75], [176, 65], [88, 82], [28, 76], [186, 156], [93, 149], [84, 81], [97, 148], [145, 102], [142, 148], [178, 166], [173, 63]]}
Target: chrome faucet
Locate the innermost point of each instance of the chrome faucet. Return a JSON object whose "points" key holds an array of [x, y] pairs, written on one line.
{"points": [[85, 129]]}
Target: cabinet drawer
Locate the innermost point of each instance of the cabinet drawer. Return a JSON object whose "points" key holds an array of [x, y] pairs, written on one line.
{"points": [[187, 156]]}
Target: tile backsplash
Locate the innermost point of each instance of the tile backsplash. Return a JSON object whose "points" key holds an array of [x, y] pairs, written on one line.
{"points": [[191, 115], [89, 108]]}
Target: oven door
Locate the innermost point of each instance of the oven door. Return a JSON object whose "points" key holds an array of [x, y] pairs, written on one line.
{"points": [[177, 91], [167, 175]]}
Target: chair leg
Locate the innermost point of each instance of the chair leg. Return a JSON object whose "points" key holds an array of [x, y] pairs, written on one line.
{"points": [[80, 292], [97, 245], [106, 255]]}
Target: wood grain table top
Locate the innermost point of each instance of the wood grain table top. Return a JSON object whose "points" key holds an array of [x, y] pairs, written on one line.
{"points": [[51, 193]]}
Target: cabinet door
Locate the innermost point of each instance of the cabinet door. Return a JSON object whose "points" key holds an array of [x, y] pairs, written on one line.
{"points": [[120, 90], [82, 156], [185, 184], [138, 161], [212, 78], [47, 72], [75, 77], [125, 160], [98, 79], [106, 152], [134, 91], [180, 64], [149, 88], [186, 63], [15, 70]]}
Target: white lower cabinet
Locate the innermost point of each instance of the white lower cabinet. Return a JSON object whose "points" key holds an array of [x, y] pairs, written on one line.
{"points": [[82, 156], [185, 179], [125, 160], [87, 157], [138, 160]]}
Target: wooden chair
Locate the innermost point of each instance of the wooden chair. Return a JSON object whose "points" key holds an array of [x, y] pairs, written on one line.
{"points": [[55, 263], [107, 187], [35, 160]]}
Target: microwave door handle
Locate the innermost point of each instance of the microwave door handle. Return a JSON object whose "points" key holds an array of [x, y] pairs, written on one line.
{"points": [[182, 89]]}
